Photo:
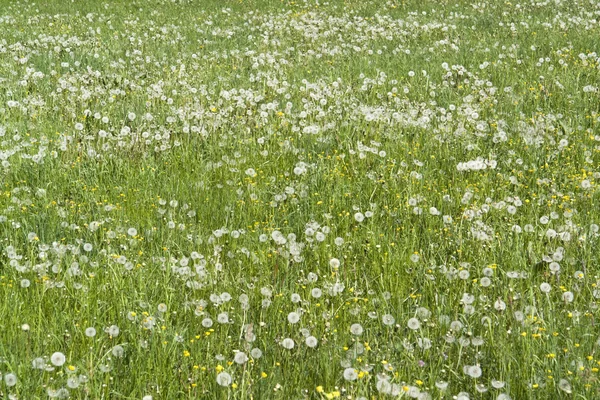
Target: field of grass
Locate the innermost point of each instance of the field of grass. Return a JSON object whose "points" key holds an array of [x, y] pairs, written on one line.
{"points": [[299, 199]]}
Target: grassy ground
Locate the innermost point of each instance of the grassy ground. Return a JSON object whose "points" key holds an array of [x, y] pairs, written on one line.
{"points": [[405, 192]]}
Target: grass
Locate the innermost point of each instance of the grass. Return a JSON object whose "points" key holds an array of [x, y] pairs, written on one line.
{"points": [[199, 174]]}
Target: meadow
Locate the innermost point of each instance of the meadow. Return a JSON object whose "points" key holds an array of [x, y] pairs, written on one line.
{"points": [[299, 199]]}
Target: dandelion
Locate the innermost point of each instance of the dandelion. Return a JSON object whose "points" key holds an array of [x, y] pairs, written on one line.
{"points": [[568, 297], [10, 379], [90, 332], [224, 379], [554, 267], [256, 353], [223, 318], [359, 217], [58, 359], [118, 351], [350, 374], [565, 386], [356, 329], [481, 388], [311, 341], [474, 371], [414, 324], [240, 358], [441, 385], [73, 382], [383, 386], [499, 305], [497, 384], [388, 319], [113, 330], [287, 343], [545, 287], [423, 312], [293, 317], [38, 363]]}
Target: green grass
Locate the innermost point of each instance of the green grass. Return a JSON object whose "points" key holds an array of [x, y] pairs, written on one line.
{"points": [[250, 145]]}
